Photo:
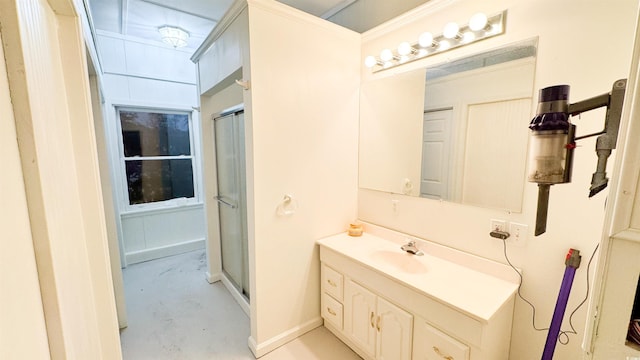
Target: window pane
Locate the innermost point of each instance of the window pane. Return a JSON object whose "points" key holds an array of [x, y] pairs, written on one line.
{"points": [[159, 180], [155, 134]]}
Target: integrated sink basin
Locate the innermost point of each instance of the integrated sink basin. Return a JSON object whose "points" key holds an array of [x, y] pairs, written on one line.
{"points": [[445, 303], [474, 286], [401, 260]]}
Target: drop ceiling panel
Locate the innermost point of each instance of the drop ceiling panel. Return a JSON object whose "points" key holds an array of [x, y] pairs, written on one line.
{"points": [[141, 18], [144, 18], [106, 14], [315, 7], [211, 9]]}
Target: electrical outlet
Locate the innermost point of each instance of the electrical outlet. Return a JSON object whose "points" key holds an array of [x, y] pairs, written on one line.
{"points": [[394, 205], [498, 225], [519, 234]]}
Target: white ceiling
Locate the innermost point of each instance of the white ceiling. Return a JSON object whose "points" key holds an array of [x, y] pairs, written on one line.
{"points": [[141, 18]]}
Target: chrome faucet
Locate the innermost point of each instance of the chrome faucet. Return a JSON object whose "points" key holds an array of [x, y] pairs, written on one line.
{"points": [[412, 248]]}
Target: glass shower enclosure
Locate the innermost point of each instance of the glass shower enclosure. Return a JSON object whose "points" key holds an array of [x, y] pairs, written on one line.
{"points": [[231, 198]]}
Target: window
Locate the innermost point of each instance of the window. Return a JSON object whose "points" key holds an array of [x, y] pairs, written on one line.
{"points": [[158, 156]]}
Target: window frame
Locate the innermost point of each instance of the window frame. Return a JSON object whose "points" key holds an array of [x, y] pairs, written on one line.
{"points": [[127, 207]]}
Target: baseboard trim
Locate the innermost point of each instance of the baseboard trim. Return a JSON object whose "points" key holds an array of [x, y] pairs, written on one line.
{"points": [[168, 250], [275, 342], [237, 296], [340, 335], [213, 278]]}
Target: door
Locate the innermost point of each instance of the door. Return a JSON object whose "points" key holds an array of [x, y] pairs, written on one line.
{"points": [[232, 208], [435, 154]]}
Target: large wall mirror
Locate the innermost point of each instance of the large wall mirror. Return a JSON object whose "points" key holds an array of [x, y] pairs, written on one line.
{"points": [[455, 132]]}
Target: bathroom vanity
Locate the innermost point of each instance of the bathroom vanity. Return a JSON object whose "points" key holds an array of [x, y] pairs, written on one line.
{"points": [[389, 304]]}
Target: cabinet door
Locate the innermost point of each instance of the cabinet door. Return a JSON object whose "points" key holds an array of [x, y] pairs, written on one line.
{"points": [[360, 316], [395, 327]]}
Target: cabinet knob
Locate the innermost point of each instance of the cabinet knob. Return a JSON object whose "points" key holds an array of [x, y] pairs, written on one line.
{"points": [[331, 282], [378, 325], [331, 311], [371, 320], [437, 351]]}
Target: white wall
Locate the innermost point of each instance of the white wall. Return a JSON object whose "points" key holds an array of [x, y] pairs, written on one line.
{"points": [[219, 92], [50, 97], [303, 131], [107, 193], [145, 74], [301, 114], [23, 332], [571, 50]]}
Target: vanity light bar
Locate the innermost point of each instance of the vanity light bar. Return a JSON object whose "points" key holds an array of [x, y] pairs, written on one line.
{"points": [[480, 27]]}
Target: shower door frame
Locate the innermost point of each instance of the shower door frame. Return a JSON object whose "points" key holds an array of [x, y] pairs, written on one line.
{"points": [[240, 290]]}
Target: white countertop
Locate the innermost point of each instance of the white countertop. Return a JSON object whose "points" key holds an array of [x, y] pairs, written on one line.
{"points": [[471, 291]]}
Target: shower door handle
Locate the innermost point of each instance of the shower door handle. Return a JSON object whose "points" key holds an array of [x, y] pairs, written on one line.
{"points": [[220, 200]]}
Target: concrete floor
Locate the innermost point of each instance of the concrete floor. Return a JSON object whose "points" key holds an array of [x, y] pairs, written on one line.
{"points": [[173, 313]]}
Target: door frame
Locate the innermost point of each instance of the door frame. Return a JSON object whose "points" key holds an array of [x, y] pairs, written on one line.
{"points": [[217, 253], [47, 70]]}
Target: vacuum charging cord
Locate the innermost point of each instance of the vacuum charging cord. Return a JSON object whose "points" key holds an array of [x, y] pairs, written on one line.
{"points": [[563, 337]]}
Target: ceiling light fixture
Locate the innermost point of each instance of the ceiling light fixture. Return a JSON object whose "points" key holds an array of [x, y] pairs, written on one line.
{"points": [[173, 36]]}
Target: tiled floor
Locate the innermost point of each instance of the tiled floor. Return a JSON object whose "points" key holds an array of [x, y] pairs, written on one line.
{"points": [[173, 313]]}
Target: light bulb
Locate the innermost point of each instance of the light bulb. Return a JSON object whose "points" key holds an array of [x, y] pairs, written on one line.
{"points": [[370, 61], [425, 40], [404, 49], [468, 37], [451, 30], [386, 55], [478, 22]]}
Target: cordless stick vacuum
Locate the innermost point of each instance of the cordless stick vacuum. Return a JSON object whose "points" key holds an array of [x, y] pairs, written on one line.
{"points": [[552, 142], [572, 263], [553, 139]]}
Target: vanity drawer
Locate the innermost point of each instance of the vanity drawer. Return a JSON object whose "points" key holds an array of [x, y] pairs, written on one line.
{"points": [[332, 282], [332, 310], [432, 344]]}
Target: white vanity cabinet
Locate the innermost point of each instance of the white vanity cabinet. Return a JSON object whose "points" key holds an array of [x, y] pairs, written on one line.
{"points": [[385, 307], [331, 301], [380, 328]]}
